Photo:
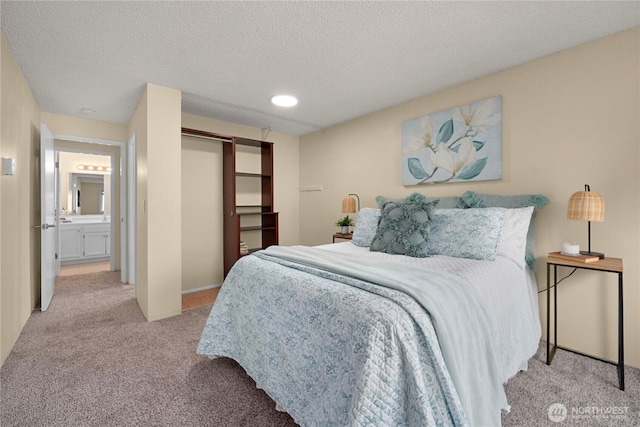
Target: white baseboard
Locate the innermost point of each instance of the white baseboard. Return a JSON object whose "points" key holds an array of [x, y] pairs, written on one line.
{"points": [[204, 288], [84, 260]]}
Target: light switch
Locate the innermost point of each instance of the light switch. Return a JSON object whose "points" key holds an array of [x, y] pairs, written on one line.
{"points": [[8, 166]]}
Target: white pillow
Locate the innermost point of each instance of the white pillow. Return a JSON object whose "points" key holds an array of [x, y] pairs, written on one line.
{"points": [[512, 243]]}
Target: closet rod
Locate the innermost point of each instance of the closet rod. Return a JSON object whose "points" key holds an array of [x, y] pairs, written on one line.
{"points": [[205, 135]]}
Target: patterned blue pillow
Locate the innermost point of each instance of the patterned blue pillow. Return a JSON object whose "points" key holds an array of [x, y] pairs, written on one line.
{"points": [[404, 228], [471, 199], [366, 226], [466, 233]]}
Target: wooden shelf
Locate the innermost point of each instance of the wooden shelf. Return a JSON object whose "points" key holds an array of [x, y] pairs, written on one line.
{"points": [[256, 228], [266, 220], [255, 213], [252, 175]]}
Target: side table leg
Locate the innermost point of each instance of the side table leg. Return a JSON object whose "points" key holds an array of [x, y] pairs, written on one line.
{"points": [[548, 315], [620, 334], [551, 349], [555, 309]]}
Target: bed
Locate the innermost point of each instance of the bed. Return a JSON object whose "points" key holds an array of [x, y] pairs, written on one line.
{"points": [[341, 334]]}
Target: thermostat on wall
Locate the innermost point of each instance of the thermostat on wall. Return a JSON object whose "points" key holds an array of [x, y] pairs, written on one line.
{"points": [[8, 166]]}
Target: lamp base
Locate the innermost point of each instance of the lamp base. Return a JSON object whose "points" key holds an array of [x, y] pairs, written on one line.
{"points": [[587, 253]]}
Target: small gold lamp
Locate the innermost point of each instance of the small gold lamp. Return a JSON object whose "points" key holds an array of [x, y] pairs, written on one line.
{"points": [[349, 204], [587, 206]]}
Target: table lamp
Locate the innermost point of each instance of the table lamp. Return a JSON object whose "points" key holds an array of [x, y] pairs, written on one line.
{"points": [[587, 206]]}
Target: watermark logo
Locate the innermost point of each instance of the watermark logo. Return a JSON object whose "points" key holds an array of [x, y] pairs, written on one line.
{"points": [[557, 413]]}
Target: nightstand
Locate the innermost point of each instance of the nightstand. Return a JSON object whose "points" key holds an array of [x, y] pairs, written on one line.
{"points": [[342, 236], [609, 265]]}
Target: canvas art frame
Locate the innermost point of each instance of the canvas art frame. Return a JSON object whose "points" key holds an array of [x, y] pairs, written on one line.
{"points": [[460, 144]]}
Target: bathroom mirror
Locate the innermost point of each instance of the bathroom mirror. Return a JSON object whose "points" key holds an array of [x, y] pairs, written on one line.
{"points": [[87, 194]]}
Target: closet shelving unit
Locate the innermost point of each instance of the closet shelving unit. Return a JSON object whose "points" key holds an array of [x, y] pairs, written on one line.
{"points": [[256, 221]]}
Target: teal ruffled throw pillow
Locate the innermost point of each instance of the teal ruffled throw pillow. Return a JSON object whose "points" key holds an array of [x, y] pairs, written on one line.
{"points": [[443, 202], [404, 227]]}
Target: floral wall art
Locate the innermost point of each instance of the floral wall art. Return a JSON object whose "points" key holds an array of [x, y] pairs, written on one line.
{"points": [[456, 145]]}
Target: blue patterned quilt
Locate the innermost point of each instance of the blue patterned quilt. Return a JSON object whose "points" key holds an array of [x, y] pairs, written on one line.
{"points": [[338, 340]]}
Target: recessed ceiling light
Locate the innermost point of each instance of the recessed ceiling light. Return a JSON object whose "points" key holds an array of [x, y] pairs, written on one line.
{"points": [[284, 100]]}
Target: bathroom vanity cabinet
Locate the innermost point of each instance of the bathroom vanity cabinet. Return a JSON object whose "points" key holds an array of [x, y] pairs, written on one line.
{"points": [[84, 242]]}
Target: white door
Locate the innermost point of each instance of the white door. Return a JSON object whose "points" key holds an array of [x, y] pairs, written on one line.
{"points": [[47, 217], [56, 199]]}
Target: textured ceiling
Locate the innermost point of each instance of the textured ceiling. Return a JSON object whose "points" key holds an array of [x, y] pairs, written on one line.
{"points": [[341, 59]]}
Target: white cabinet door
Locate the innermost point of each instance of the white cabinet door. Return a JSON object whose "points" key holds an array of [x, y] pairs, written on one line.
{"points": [[94, 244], [84, 242], [70, 242]]}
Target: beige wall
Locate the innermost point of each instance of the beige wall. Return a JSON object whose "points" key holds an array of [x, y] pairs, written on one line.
{"points": [[86, 128], [19, 202], [569, 119], [80, 127], [202, 196], [202, 244], [156, 123]]}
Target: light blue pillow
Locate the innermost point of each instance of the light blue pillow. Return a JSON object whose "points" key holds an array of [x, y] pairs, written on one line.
{"points": [[471, 199], [404, 228], [366, 226], [466, 233]]}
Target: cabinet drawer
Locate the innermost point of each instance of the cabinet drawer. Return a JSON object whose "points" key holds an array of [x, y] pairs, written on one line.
{"points": [[97, 228]]}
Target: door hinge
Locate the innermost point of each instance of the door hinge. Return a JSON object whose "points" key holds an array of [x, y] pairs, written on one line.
{"points": [[56, 256], [57, 165]]}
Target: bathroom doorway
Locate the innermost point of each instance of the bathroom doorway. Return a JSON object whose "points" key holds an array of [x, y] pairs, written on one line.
{"points": [[85, 197]]}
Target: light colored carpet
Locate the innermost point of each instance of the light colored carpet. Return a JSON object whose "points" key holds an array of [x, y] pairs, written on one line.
{"points": [[93, 360], [587, 389]]}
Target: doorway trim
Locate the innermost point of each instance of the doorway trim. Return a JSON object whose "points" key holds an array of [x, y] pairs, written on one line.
{"points": [[112, 196], [130, 202], [123, 193]]}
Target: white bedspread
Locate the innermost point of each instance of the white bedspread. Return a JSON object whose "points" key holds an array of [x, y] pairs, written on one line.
{"points": [[331, 354], [512, 296]]}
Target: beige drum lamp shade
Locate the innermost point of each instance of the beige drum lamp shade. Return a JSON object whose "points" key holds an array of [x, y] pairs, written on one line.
{"points": [[349, 204], [587, 206]]}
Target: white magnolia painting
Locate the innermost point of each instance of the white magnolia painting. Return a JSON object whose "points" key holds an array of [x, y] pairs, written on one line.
{"points": [[456, 145]]}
